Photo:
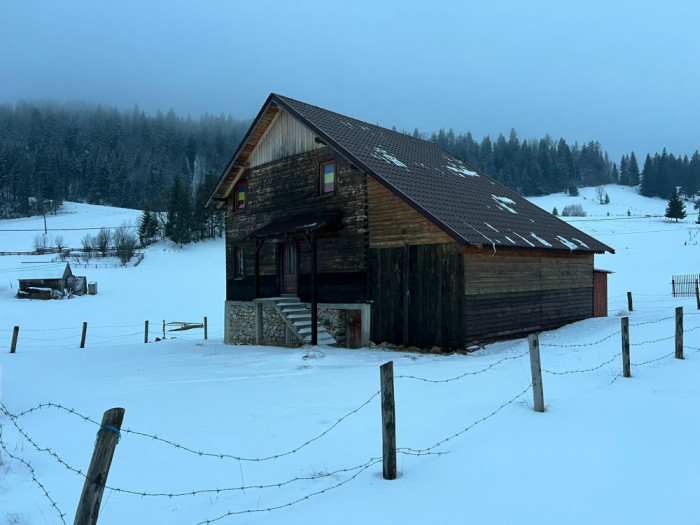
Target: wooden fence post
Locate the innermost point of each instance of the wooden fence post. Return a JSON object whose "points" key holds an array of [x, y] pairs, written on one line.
{"points": [[107, 439], [679, 332], [386, 374], [145, 332], [82, 338], [205, 328], [163, 328], [697, 294], [537, 392], [13, 345], [673, 286], [630, 306], [625, 331]]}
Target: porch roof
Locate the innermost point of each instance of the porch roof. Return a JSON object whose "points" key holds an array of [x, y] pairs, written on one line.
{"points": [[296, 224]]}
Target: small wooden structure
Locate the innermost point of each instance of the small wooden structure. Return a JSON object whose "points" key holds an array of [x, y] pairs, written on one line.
{"points": [[330, 209], [600, 292], [48, 280]]}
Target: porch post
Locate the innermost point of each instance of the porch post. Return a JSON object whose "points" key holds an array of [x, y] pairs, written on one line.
{"points": [[314, 302], [258, 245]]}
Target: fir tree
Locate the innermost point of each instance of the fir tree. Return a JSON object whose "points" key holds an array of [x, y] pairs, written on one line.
{"points": [[179, 213], [676, 207]]}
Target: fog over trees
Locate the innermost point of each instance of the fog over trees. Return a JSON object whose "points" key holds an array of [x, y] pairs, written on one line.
{"points": [[166, 164]]}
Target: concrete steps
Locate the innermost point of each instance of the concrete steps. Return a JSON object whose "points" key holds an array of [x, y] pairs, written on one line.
{"points": [[297, 317]]}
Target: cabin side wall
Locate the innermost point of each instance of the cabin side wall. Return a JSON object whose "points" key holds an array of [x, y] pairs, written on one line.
{"points": [[511, 294], [415, 273]]}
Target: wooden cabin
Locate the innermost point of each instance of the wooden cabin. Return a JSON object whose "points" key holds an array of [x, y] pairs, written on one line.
{"points": [[46, 280], [338, 230]]}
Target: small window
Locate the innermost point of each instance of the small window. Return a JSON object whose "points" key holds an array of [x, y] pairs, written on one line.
{"points": [[238, 267], [327, 182], [239, 196]]}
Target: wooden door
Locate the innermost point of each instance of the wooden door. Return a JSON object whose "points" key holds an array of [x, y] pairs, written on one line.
{"points": [[289, 261]]}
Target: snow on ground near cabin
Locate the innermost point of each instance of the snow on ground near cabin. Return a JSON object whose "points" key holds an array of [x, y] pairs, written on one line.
{"points": [[605, 451]]}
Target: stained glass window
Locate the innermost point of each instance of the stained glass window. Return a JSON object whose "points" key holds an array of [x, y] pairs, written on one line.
{"points": [[327, 177], [240, 195]]}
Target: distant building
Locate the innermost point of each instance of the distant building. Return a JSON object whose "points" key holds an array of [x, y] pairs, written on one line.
{"points": [[47, 281]]}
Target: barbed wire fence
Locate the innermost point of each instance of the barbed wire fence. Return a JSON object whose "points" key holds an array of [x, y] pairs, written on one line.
{"points": [[96, 335], [339, 476]]}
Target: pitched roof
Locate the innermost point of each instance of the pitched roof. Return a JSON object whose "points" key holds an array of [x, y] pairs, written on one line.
{"points": [[465, 203], [48, 270]]}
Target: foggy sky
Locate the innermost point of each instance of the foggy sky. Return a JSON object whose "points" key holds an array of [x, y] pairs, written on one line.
{"points": [[626, 73]]}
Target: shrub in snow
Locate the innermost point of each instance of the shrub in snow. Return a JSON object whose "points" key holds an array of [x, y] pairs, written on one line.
{"points": [[555, 212], [102, 240], [573, 210]]}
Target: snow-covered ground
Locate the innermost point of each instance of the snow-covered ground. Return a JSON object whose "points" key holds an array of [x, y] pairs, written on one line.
{"points": [[274, 435]]}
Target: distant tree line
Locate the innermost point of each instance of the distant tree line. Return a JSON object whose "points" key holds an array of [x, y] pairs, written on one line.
{"points": [[544, 166], [167, 165], [50, 153]]}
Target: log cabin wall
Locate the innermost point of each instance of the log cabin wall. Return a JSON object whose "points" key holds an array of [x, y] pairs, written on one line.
{"points": [[510, 294], [287, 187]]}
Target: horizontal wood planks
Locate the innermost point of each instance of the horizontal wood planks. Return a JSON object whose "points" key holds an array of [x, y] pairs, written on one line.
{"points": [[513, 294], [393, 223]]}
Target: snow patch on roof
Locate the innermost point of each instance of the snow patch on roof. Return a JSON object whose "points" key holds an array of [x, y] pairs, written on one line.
{"points": [[504, 203], [462, 171], [494, 229], [570, 245], [511, 240], [477, 231], [540, 240], [583, 244], [524, 239], [382, 154]]}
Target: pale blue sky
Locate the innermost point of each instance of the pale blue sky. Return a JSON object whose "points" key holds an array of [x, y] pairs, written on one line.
{"points": [[626, 73]]}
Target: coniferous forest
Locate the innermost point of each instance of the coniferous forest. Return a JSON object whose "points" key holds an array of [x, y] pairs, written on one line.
{"points": [[166, 163]]}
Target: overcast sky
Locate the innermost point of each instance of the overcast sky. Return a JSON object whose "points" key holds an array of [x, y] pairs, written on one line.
{"points": [[626, 73]]}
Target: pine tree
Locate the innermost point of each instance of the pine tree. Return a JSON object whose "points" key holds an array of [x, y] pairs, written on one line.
{"points": [[633, 169], [179, 213], [676, 207]]}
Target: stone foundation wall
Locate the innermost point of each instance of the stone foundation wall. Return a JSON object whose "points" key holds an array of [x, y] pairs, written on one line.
{"points": [[274, 328], [336, 322], [240, 328], [239, 322]]}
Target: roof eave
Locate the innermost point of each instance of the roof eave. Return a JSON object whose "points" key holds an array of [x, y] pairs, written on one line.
{"points": [[231, 164]]}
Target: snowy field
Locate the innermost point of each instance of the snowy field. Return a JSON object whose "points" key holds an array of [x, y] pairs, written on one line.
{"points": [[250, 435]]}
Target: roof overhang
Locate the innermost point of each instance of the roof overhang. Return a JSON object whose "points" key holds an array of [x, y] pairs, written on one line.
{"points": [[297, 224]]}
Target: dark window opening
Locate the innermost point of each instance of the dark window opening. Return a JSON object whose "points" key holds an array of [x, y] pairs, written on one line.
{"points": [[238, 267]]}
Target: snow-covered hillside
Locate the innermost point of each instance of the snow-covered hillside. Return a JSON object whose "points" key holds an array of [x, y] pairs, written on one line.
{"points": [[274, 435]]}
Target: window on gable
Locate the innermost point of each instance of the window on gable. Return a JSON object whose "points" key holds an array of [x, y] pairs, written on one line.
{"points": [[239, 196], [328, 178], [238, 266]]}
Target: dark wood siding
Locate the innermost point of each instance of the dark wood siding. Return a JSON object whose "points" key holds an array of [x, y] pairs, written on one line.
{"points": [[289, 187], [600, 294], [433, 276], [511, 294]]}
